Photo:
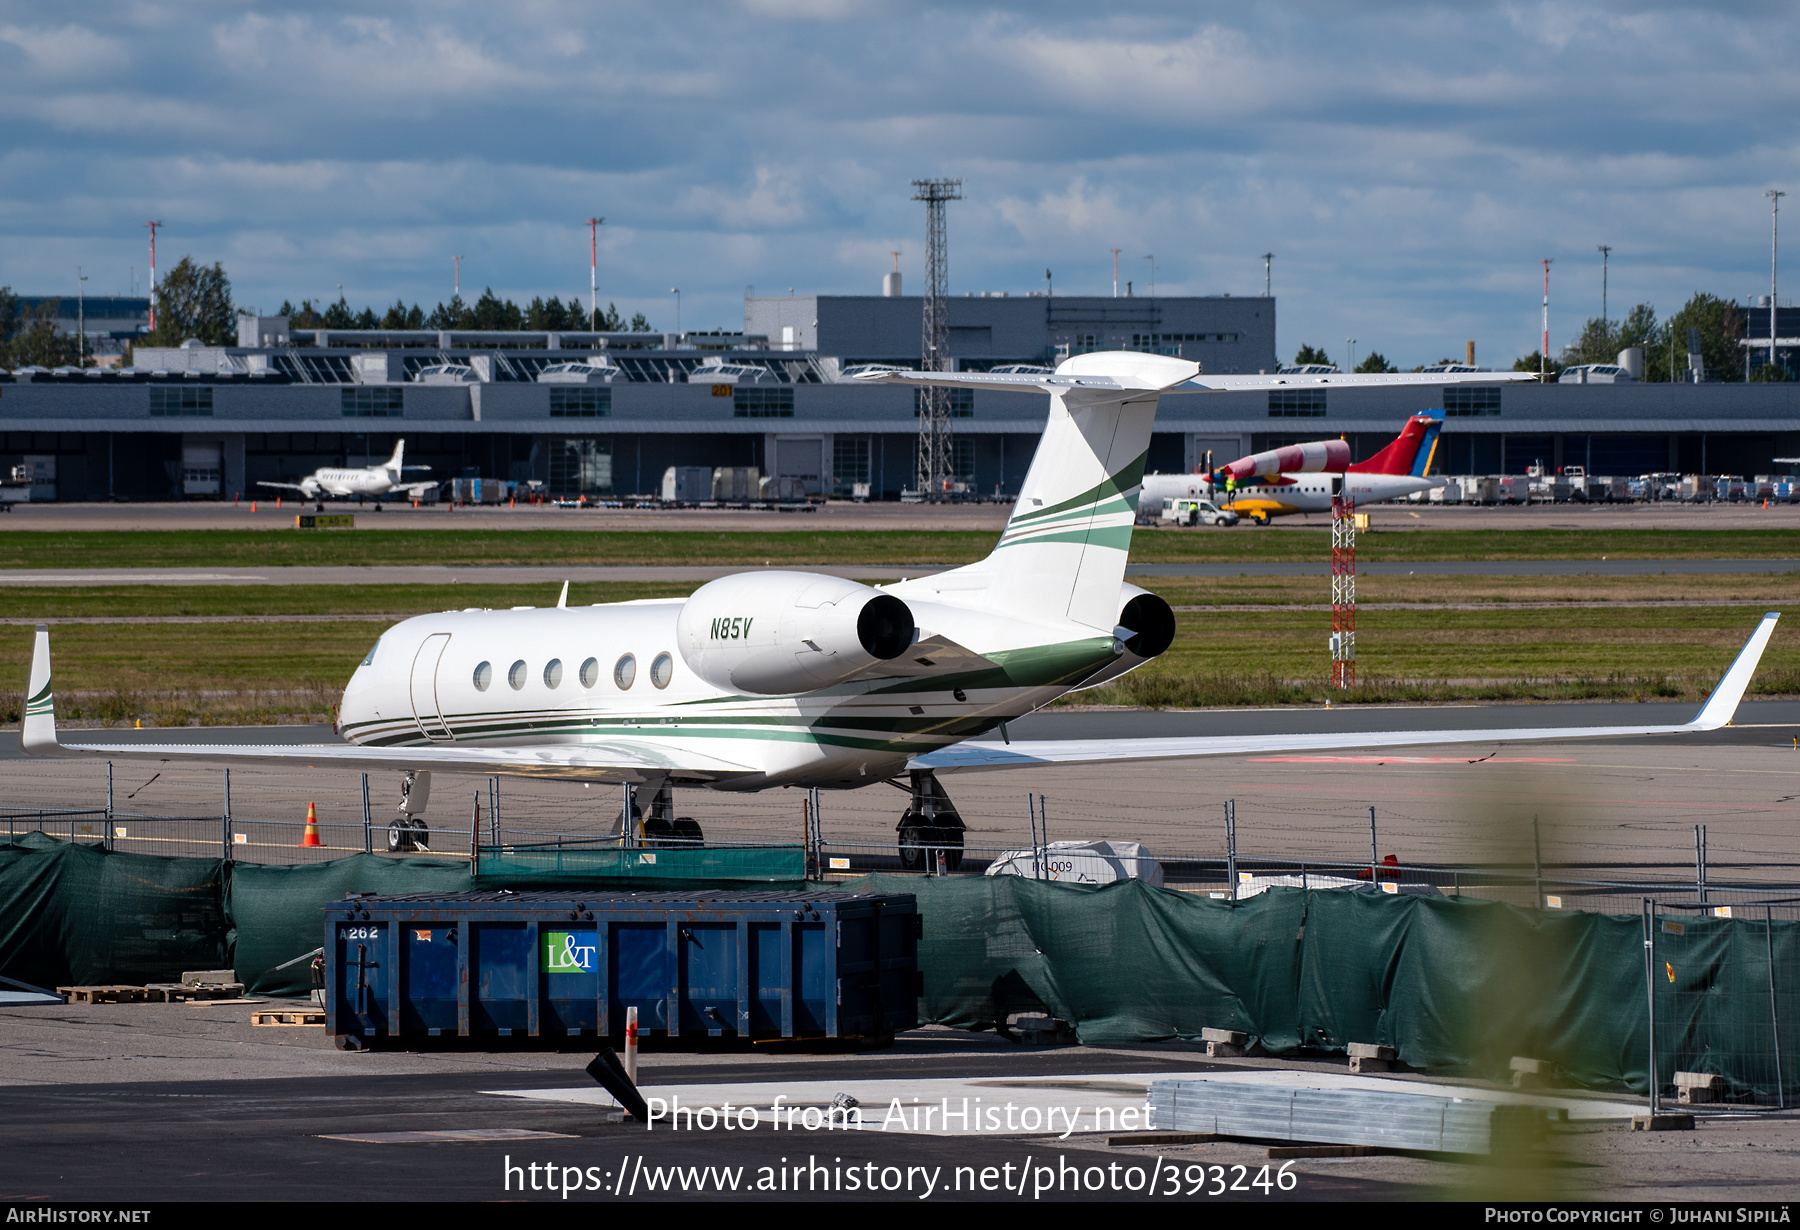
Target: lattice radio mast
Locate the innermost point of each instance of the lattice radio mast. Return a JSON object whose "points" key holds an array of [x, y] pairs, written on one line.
{"points": [[1343, 589], [935, 467]]}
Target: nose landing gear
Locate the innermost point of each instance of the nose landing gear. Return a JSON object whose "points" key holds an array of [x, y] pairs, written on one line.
{"points": [[930, 826], [408, 832]]}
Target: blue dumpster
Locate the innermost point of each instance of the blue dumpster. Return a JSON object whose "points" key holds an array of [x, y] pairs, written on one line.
{"points": [[564, 963]]}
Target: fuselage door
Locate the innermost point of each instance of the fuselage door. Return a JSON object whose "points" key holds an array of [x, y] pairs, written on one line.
{"points": [[426, 709]]}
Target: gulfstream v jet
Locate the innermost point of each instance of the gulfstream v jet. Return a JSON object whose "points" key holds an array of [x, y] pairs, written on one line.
{"points": [[797, 678]]}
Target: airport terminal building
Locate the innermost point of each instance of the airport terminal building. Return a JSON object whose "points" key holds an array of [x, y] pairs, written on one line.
{"points": [[605, 414]]}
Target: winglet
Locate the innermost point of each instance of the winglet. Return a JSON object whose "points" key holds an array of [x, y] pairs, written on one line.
{"points": [[1723, 703], [38, 735]]}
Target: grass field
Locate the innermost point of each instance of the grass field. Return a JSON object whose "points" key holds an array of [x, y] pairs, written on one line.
{"points": [[1446, 639], [280, 548]]}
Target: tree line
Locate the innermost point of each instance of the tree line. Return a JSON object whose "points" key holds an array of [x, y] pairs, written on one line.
{"points": [[1720, 323], [194, 300], [489, 312]]}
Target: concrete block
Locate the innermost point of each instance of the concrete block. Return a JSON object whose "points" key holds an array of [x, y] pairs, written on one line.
{"points": [[208, 977], [1532, 1073], [1370, 1057], [1697, 1088], [1224, 1043], [1666, 1122]]}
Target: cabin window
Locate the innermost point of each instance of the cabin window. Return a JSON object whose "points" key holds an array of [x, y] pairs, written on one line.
{"points": [[590, 672], [516, 676], [662, 670], [553, 673], [484, 675], [625, 672]]}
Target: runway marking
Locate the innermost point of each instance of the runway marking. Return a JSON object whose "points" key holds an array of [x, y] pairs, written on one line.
{"points": [[1408, 760]]}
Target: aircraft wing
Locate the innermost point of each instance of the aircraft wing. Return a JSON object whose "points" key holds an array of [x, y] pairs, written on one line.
{"points": [[414, 490], [1159, 374], [1258, 382], [283, 486], [1717, 712]]}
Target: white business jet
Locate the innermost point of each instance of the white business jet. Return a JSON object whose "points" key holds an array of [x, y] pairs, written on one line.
{"points": [[795, 678], [360, 482]]}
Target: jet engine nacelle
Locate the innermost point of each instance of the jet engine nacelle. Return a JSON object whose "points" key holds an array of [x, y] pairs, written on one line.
{"points": [[1313, 457], [783, 633], [1145, 628]]}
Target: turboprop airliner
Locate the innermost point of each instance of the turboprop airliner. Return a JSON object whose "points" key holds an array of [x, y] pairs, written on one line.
{"points": [[1303, 478], [360, 482], [788, 678]]}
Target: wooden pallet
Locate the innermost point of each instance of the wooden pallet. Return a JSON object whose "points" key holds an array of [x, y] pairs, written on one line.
{"points": [[105, 995], [180, 993], [302, 1016]]}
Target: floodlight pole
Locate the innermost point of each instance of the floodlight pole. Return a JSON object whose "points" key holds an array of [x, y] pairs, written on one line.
{"points": [[1267, 257], [80, 317], [1115, 253], [594, 271], [1774, 196], [1605, 250], [934, 466]]}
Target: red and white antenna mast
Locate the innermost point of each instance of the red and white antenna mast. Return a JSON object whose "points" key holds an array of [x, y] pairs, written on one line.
{"points": [[152, 226], [594, 270], [1343, 586]]}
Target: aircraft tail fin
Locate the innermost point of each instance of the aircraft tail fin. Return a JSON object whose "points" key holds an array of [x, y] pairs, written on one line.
{"points": [[1064, 549], [1410, 452], [38, 732], [396, 462], [1063, 552]]}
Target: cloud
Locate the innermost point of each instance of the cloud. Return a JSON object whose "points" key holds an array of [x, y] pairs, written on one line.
{"points": [[1408, 162]]}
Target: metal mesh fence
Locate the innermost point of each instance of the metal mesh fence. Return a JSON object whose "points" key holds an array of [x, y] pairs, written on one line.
{"points": [[1204, 846], [1722, 988]]}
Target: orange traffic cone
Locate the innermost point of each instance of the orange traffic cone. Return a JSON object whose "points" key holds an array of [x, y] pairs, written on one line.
{"points": [[312, 827]]}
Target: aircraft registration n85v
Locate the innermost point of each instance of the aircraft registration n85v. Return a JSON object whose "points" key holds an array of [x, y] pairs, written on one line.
{"points": [[781, 678]]}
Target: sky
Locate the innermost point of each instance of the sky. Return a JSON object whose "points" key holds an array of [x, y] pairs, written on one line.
{"points": [[1409, 165]]}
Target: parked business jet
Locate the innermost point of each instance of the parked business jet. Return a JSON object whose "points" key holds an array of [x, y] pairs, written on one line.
{"points": [[361, 482], [1302, 478], [793, 678]]}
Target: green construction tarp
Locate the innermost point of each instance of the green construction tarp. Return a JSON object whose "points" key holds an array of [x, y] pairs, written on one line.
{"points": [[275, 911], [1453, 985], [77, 915]]}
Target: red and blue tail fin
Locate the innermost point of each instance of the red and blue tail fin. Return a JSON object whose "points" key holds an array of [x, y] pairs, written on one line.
{"points": [[1412, 450]]}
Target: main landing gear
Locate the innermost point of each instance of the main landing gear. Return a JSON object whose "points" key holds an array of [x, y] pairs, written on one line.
{"points": [[930, 827], [654, 823]]}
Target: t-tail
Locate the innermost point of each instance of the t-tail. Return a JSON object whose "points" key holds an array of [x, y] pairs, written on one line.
{"points": [[1411, 452], [1064, 550]]}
